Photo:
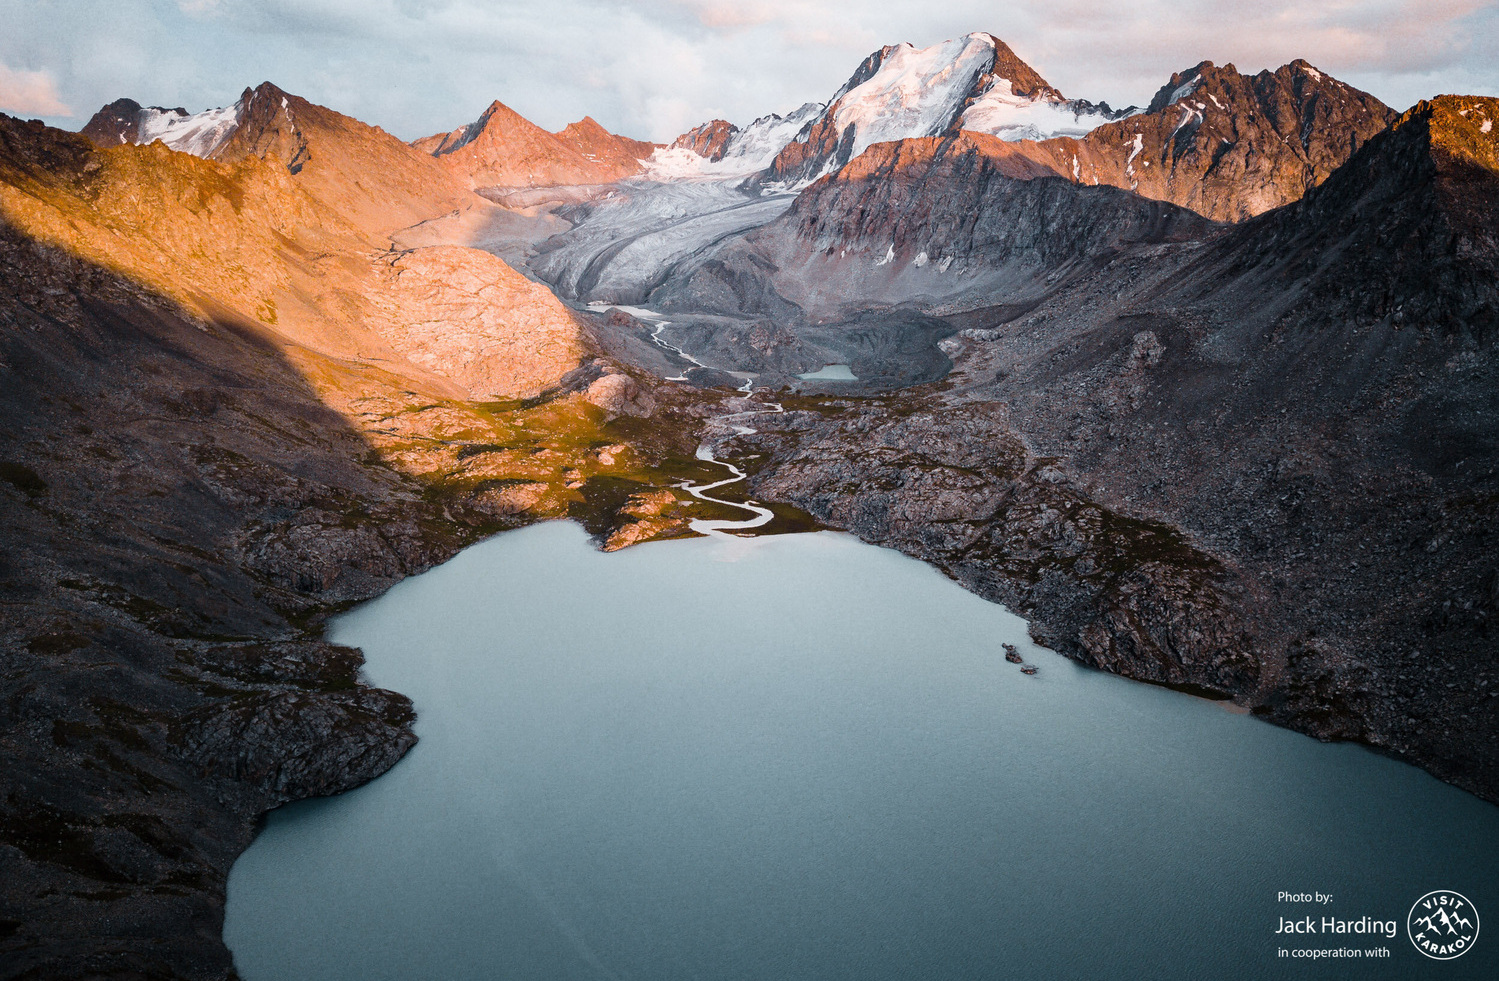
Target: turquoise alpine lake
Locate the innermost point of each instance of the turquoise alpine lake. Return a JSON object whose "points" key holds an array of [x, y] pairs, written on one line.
{"points": [[805, 757], [830, 372]]}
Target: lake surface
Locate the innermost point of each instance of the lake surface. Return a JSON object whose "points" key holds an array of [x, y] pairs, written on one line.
{"points": [[831, 372], [803, 757]]}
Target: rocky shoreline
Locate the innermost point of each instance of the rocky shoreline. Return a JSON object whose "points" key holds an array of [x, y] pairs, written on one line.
{"points": [[952, 480]]}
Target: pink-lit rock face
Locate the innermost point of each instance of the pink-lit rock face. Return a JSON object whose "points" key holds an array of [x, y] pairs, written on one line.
{"points": [[503, 149], [467, 316]]}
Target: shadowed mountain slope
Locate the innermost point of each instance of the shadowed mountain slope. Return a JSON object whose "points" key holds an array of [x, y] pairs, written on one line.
{"points": [[225, 413]]}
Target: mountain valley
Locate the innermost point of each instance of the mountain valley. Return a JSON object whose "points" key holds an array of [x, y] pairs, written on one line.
{"points": [[1207, 391]]}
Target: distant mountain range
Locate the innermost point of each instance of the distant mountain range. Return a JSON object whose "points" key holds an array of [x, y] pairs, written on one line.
{"points": [[1224, 144]]}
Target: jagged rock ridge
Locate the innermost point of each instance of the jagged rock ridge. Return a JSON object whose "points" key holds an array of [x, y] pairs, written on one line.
{"points": [[1224, 144], [1229, 145], [358, 170], [504, 149], [127, 121]]}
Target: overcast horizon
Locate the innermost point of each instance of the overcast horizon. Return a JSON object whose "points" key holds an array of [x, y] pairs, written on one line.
{"points": [[654, 68]]}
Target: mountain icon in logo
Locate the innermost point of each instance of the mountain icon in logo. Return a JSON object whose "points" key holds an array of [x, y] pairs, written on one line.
{"points": [[1443, 925]]}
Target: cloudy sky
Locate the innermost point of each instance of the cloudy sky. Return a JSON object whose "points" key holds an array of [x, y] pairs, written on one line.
{"points": [[653, 68]]}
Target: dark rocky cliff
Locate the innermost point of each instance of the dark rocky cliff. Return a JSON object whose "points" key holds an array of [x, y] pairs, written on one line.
{"points": [[965, 198], [1303, 406], [116, 123]]}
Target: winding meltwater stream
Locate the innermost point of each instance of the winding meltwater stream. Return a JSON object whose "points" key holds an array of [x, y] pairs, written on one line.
{"points": [[707, 526], [762, 515]]}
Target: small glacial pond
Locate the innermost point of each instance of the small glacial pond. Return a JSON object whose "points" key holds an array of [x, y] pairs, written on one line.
{"points": [[803, 757], [831, 372]]}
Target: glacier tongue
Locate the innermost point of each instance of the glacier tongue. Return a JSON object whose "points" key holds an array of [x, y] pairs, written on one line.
{"points": [[199, 133]]}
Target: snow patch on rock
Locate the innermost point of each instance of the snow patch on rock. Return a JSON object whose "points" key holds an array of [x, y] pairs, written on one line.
{"points": [[1000, 112], [1135, 148], [1185, 89], [197, 133]]}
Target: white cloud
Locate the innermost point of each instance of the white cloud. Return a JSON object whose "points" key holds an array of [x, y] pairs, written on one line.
{"points": [[651, 68], [30, 92]]}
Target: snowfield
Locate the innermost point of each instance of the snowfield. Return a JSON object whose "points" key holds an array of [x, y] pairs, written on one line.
{"points": [[199, 133], [1000, 112]]}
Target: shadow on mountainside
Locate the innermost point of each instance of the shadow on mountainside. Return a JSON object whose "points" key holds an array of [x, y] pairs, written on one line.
{"points": [[183, 501], [178, 506]]}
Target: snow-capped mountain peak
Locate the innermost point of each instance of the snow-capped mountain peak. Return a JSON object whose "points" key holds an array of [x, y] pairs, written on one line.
{"points": [[975, 82], [914, 92]]}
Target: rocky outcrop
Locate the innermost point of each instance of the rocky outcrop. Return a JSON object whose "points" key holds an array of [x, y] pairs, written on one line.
{"points": [[295, 745], [953, 483], [467, 316], [620, 395], [116, 123], [596, 144], [709, 140]]}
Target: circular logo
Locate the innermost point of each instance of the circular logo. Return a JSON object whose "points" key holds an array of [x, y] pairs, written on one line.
{"points": [[1442, 925]]}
